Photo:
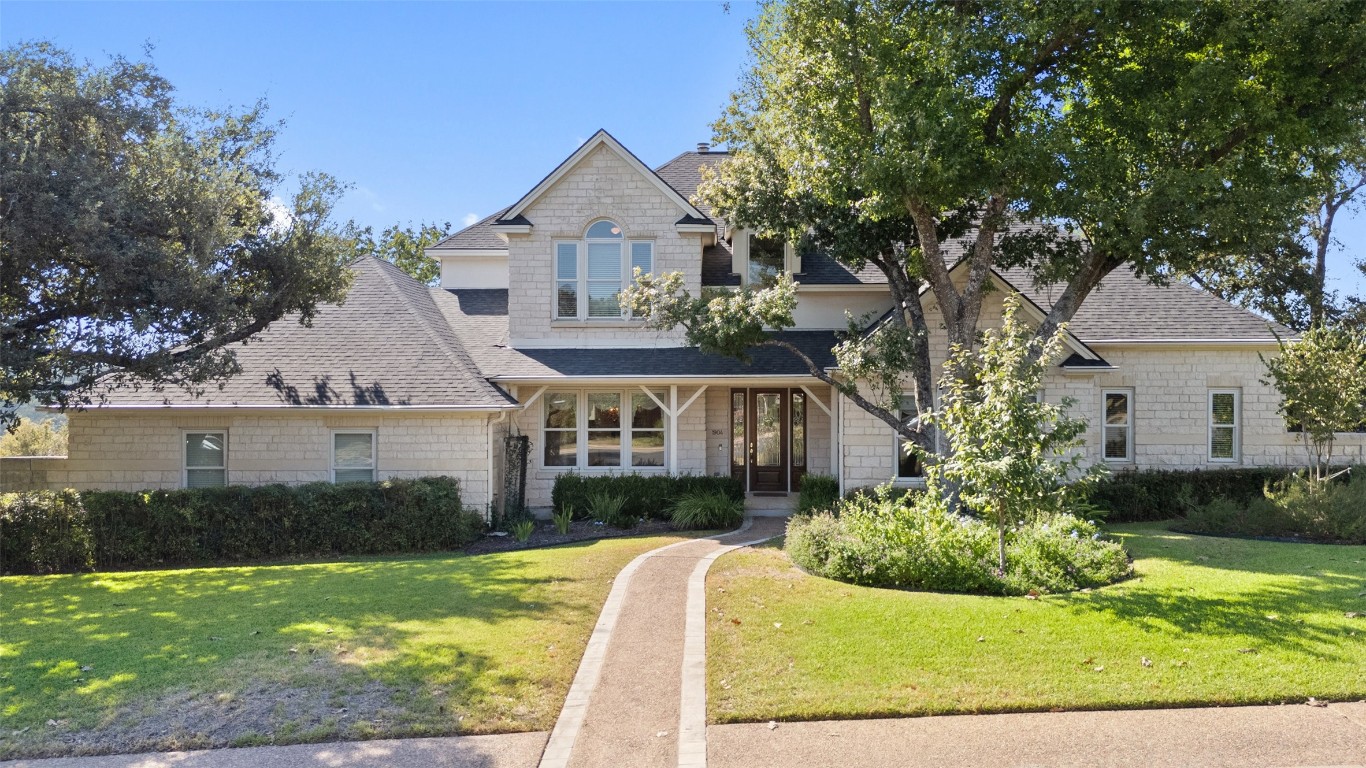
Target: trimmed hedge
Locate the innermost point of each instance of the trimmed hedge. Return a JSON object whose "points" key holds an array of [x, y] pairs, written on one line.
{"points": [[647, 496], [67, 531], [1159, 494]]}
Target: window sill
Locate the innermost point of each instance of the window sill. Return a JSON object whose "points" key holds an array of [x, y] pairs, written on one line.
{"points": [[908, 482], [600, 322], [604, 470]]}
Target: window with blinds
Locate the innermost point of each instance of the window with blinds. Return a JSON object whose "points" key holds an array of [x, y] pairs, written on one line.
{"points": [[353, 457], [206, 459], [1224, 422], [590, 275]]}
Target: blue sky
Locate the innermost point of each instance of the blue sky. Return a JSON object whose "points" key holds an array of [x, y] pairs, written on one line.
{"points": [[437, 111]]}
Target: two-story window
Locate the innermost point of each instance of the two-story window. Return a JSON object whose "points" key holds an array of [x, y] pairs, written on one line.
{"points": [[602, 429], [590, 273]]}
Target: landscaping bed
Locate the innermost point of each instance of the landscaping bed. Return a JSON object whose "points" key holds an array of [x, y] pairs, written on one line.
{"points": [[1204, 621], [372, 647], [546, 535]]}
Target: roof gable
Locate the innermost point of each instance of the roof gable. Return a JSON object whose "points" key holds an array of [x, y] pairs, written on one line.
{"points": [[513, 216]]}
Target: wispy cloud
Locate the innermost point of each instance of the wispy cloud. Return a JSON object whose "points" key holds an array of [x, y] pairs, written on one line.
{"points": [[471, 218], [281, 217], [370, 197]]}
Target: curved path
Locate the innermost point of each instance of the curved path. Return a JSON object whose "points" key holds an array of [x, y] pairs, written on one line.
{"points": [[640, 697]]}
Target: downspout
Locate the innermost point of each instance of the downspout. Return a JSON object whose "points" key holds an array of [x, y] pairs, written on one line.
{"points": [[839, 440]]}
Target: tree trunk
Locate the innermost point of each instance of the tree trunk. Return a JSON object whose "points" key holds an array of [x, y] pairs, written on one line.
{"points": [[1001, 540]]}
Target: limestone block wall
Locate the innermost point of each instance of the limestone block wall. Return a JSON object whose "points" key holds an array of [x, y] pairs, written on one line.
{"points": [[602, 185], [135, 450], [1170, 389]]}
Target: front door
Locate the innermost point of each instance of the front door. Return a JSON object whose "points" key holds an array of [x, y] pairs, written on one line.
{"points": [[768, 439]]}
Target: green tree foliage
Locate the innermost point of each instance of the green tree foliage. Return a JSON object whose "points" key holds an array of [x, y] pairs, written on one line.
{"points": [[139, 238], [34, 438], [1289, 281], [1322, 381], [1014, 456], [1142, 136], [403, 246]]}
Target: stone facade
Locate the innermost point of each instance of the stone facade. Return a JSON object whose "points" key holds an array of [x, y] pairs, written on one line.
{"points": [[135, 450], [602, 185]]}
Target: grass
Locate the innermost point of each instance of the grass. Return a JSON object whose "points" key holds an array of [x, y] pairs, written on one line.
{"points": [[1219, 621], [419, 645]]}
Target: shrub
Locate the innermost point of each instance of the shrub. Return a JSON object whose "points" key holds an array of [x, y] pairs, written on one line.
{"points": [[610, 509], [816, 493], [45, 531], [1292, 507], [647, 496], [522, 530], [1145, 495], [890, 540], [562, 518], [706, 511]]}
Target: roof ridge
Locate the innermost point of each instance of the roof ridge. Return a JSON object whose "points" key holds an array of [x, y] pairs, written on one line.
{"points": [[452, 347]]}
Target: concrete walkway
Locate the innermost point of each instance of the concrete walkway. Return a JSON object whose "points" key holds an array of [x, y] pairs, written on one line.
{"points": [[1231, 737], [624, 707], [515, 750]]}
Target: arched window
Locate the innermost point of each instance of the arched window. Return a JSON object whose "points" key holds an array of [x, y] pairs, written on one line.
{"points": [[589, 274]]}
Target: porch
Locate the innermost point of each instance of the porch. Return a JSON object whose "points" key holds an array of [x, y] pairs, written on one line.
{"points": [[767, 433]]}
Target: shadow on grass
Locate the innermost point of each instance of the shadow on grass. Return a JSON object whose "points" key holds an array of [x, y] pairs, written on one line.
{"points": [[1293, 596], [83, 646]]}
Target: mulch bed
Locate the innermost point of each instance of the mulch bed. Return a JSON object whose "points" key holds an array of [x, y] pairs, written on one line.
{"points": [[545, 535]]}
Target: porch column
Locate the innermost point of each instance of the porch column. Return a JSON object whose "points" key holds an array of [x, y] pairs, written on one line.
{"points": [[673, 429]]}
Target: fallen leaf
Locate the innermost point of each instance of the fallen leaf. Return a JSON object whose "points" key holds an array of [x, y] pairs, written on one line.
{"points": [[807, 621], [256, 631], [1247, 650], [1313, 702], [1273, 616], [215, 637], [1100, 669], [661, 734], [772, 725], [777, 625], [981, 639], [1351, 614], [1088, 660], [735, 621], [87, 668], [293, 650], [1145, 661]]}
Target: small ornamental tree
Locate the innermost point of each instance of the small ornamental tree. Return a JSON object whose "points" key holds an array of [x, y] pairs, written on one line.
{"points": [[1322, 381], [1013, 455]]}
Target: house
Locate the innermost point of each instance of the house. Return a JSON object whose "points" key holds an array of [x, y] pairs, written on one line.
{"points": [[524, 336]]}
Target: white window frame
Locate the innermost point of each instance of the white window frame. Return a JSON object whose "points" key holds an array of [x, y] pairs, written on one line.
{"points": [[185, 458], [581, 432], [897, 443], [1237, 426], [332, 451], [1128, 394], [625, 277]]}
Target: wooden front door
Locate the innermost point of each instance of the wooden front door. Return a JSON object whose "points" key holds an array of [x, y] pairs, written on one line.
{"points": [[768, 441]]}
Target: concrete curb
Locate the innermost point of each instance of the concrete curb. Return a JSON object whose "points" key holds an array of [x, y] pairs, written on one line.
{"points": [[692, 713], [567, 726]]}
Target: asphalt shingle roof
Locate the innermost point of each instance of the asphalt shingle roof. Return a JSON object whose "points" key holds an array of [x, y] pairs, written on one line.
{"points": [[477, 235], [386, 344], [475, 313]]}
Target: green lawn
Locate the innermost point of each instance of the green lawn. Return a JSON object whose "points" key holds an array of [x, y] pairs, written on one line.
{"points": [[1219, 621], [239, 655]]}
